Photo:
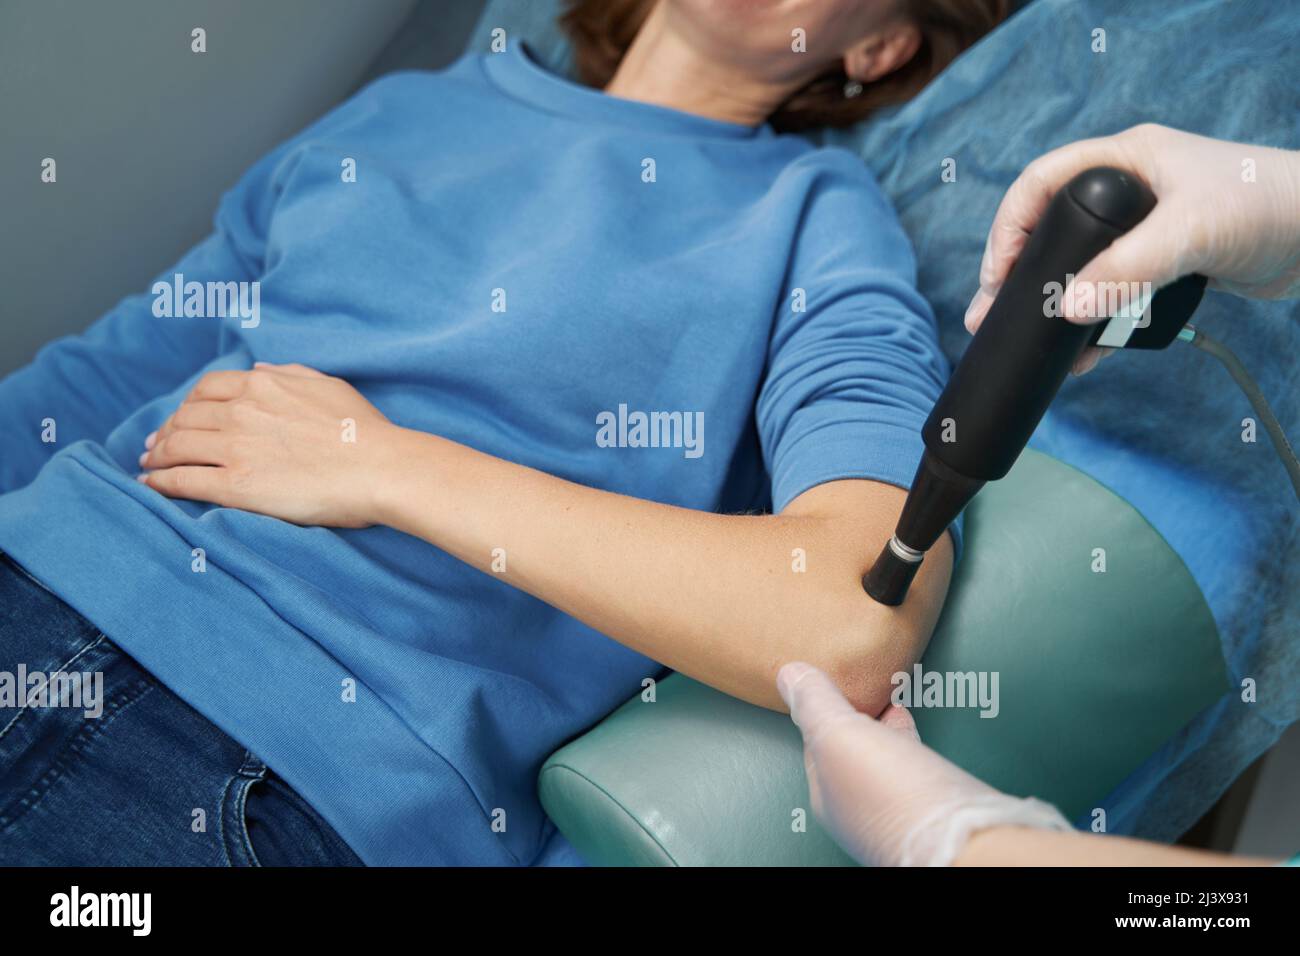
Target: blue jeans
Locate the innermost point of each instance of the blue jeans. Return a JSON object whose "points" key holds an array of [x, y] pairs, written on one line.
{"points": [[130, 775]]}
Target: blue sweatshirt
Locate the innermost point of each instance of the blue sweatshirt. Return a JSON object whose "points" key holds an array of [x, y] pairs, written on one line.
{"points": [[520, 264]]}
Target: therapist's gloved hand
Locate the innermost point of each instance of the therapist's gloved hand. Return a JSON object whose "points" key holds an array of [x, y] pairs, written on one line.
{"points": [[887, 798], [1229, 211]]}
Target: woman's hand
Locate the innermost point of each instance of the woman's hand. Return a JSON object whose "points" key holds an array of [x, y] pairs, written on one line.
{"points": [[1229, 211], [281, 440]]}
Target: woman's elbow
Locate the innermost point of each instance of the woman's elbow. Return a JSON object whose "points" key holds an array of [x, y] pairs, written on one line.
{"points": [[878, 643], [864, 670]]}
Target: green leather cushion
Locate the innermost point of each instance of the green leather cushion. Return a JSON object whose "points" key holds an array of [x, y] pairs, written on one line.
{"points": [[1096, 670]]}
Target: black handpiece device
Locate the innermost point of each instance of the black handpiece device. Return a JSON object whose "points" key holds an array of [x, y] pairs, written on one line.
{"points": [[1016, 362]]}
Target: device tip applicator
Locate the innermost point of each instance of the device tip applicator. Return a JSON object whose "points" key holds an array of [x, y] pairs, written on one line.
{"points": [[890, 577]]}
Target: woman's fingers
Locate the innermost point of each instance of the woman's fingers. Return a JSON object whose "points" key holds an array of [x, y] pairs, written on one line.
{"points": [[293, 368], [203, 416], [214, 387], [219, 386], [194, 482], [187, 447], [203, 406]]}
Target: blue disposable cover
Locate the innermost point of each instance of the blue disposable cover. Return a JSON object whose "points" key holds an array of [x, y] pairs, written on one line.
{"points": [[1164, 429]]}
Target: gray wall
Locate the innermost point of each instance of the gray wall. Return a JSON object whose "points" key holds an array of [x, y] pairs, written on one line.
{"points": [[147, 134]]}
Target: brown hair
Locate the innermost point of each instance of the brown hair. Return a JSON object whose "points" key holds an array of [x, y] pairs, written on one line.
{"points": [[602, 30]]}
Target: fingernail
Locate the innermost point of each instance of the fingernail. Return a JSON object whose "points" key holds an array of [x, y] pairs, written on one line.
{"points": [[150, 439], [143, 456], [142, 478]]}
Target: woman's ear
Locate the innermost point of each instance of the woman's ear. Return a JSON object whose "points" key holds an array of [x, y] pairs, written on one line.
{"points": [[883, 52]]}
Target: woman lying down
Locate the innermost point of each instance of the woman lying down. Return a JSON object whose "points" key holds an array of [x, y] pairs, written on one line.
{"points": [[486, 447]]}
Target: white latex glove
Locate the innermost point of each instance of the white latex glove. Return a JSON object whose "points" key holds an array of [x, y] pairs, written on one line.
{"points": [[887, 798], [1210, 218]]}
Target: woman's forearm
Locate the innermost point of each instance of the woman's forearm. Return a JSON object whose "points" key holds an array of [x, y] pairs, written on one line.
{"points": [[726, 599], [718, 597]]}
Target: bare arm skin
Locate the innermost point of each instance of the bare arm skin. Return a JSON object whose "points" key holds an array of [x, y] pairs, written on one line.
{"points": [[713, 596]]}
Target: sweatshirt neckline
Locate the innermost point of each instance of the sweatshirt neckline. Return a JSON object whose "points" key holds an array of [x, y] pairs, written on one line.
{"points": [[518, 73]]}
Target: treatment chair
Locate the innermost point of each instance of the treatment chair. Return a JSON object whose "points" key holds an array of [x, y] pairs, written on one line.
{"points": [[1088, 689], [1100, 671]]}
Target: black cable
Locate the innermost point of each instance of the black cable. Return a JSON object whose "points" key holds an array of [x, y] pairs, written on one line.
{"points": [[1256, 397]]}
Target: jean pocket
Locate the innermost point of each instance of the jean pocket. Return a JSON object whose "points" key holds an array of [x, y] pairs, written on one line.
{"points": [[235, 838], [268, 823]]}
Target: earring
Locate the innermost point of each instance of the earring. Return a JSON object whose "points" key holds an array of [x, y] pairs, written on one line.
{"points": [[851, 89]]}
